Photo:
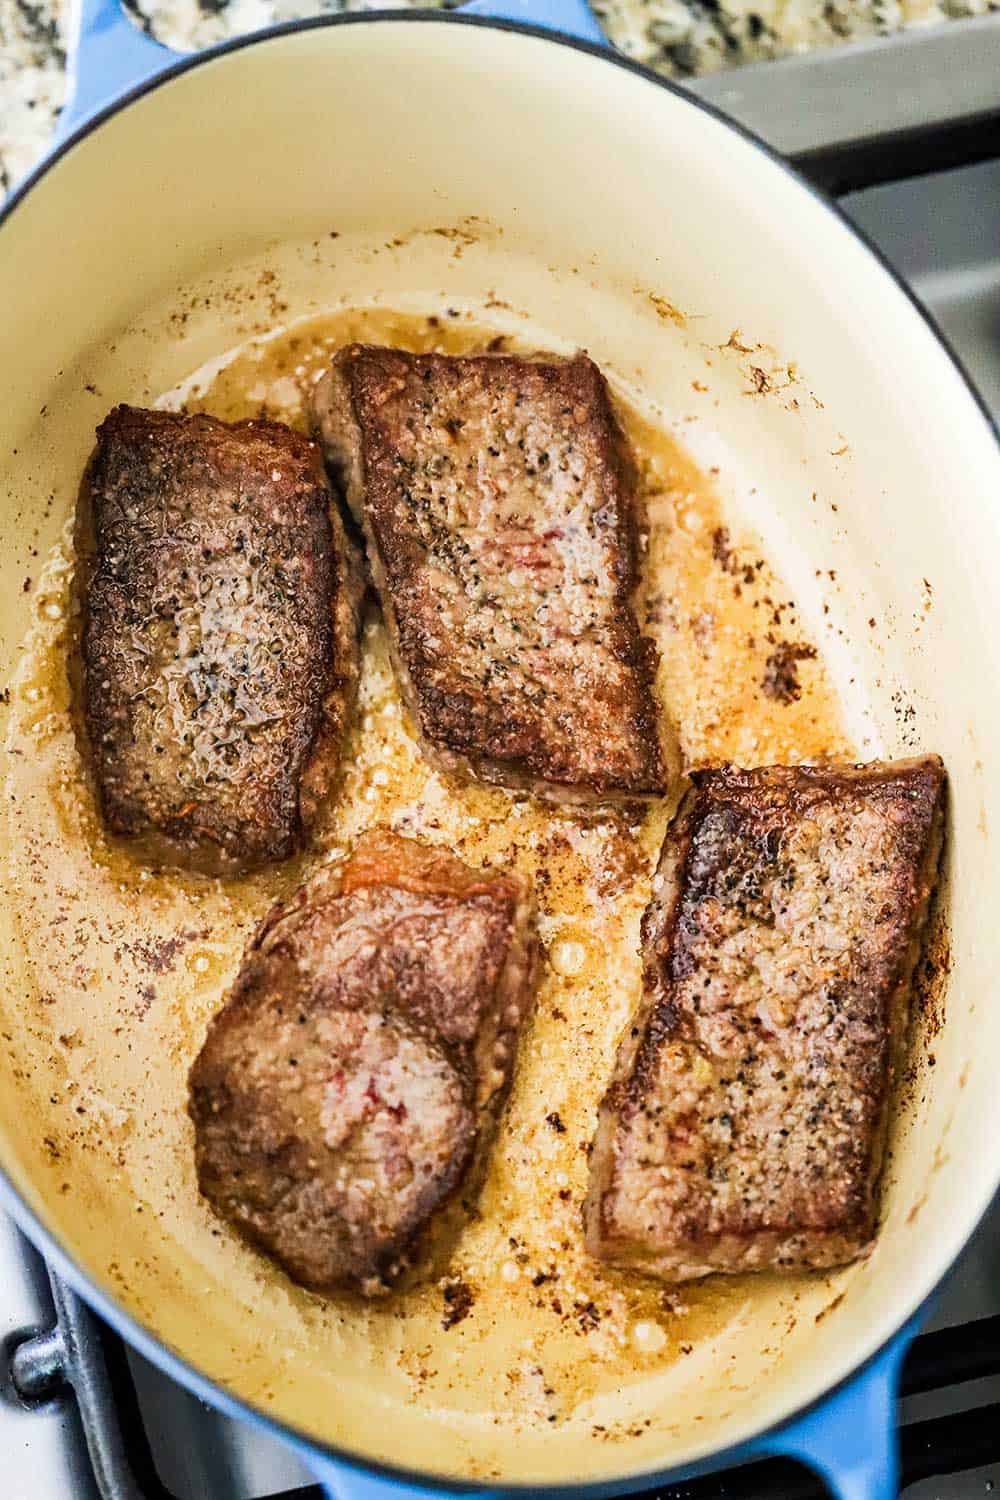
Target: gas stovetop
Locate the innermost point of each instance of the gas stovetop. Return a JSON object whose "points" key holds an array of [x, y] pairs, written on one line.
{"points": [[132, 1434]]}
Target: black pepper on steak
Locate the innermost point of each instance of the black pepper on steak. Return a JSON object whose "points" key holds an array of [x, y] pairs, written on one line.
{"points": [[498, 500], [745, 1124], [220, 602], [347, 1091]]}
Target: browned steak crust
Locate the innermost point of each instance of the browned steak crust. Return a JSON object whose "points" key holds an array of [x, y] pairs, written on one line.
{"points": [[349, 1086], [220, 638], [746, 1122], [497, 497]]}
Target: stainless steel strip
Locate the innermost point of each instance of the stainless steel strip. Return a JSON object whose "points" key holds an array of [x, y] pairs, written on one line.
{"points": [[44, 1456], [847, 94], [70, 1353]]}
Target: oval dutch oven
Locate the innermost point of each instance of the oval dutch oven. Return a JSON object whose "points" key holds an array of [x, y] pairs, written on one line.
{"points": [[603, 200]]}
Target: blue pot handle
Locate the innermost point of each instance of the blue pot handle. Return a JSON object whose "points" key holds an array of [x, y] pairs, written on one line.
{"points": [[850, 1440], [572, 17], [341, 1483], [111, 56], [109, 59]]}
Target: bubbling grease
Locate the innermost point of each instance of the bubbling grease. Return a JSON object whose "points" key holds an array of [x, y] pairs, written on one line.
{"points": [[128, 964]]}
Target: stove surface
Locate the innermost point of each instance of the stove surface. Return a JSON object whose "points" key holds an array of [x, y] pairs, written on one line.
{"points": [[943, 233]]}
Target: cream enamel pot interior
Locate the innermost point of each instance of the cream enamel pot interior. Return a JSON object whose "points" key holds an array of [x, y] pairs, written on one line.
{"points": [[585, 203]]}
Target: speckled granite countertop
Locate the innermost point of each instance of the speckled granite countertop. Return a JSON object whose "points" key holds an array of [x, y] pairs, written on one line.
{"points": [[680, 38]]}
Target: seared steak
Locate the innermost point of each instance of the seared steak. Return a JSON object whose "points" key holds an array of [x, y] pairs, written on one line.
{"points": [[220, 639], [497, 498], [350, 1084], [746, 1122]]}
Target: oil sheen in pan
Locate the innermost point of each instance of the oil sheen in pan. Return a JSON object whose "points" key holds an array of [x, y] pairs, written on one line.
{"points": [[129, 964]]}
